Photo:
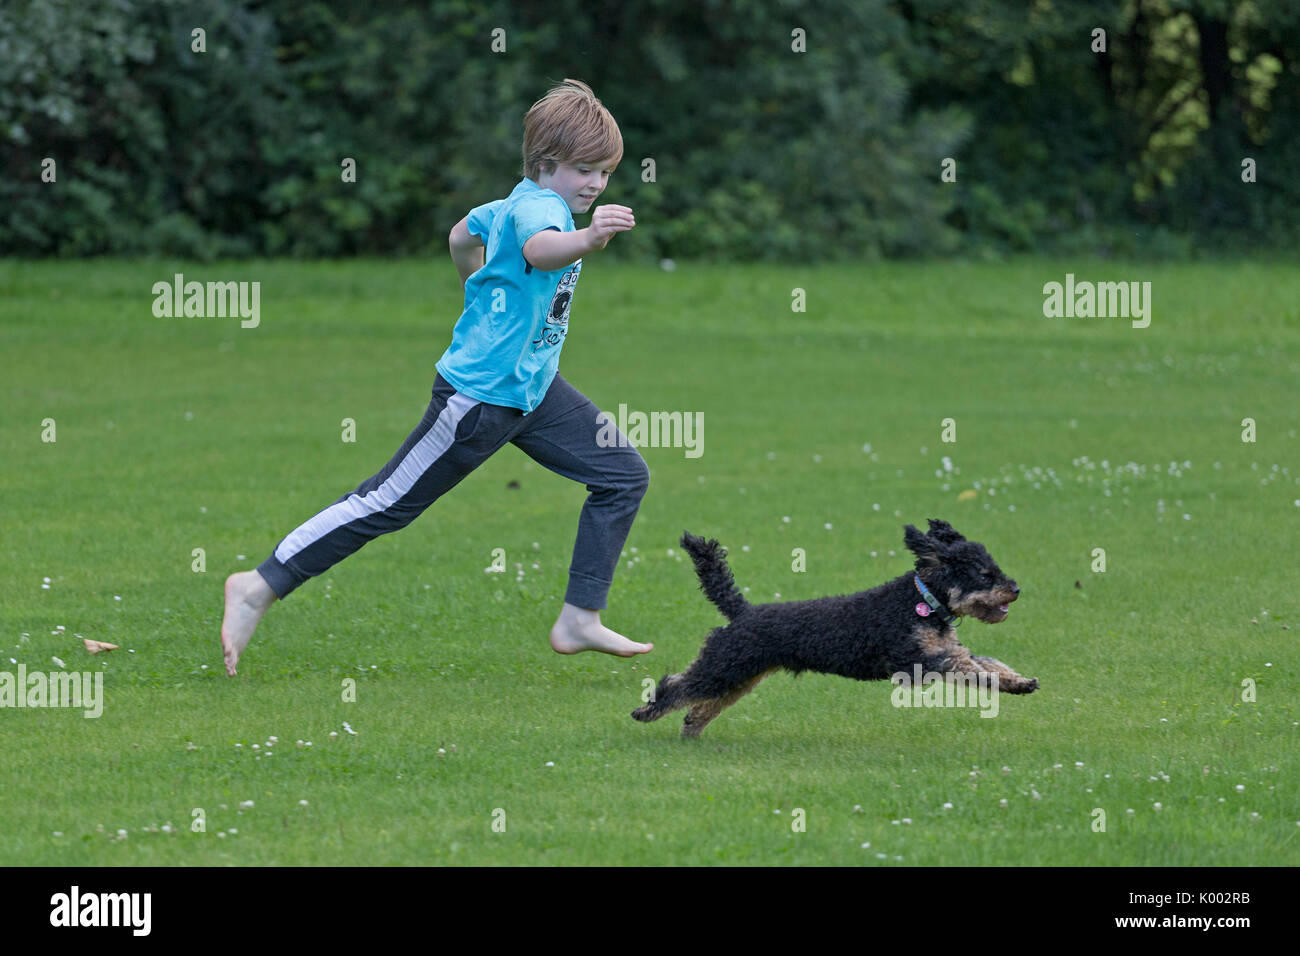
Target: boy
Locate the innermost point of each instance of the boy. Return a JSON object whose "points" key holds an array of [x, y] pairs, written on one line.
{"points": [[498, 382]]}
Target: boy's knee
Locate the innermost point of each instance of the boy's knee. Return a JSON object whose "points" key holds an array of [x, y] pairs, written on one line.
{"points": [[638, 479], [625, 482]]}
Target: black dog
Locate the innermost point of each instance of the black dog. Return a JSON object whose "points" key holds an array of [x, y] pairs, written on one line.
{"points": [[870, 635]]}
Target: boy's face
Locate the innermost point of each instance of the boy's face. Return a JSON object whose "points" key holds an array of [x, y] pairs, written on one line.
{"points": [[578, 183]]}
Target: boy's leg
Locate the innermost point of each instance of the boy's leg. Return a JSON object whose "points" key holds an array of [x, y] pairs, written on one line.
{"points": [[561, 434], [456, 435]]}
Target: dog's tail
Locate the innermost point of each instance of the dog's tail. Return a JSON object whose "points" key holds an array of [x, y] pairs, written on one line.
{"points": [[715, 577]]}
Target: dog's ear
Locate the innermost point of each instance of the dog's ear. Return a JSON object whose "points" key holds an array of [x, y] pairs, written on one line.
{"points": [[926, 548], [943, 531]]}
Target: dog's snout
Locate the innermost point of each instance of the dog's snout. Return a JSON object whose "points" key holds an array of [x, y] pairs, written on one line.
{"points": [[1015, 590]]}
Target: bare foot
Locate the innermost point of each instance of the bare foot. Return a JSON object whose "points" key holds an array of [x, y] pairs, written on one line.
{"points": [[579, 629], [247, 598]]}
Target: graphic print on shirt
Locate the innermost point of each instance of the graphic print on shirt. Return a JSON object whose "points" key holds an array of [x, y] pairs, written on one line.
{"points": [[557, 316]]}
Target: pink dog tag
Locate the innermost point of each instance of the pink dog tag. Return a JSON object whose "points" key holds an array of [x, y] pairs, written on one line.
{"points": [[923, 609]]}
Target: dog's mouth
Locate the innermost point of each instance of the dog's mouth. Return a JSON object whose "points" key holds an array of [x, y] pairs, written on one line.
{"points": [[990, 606], [993, 613]]}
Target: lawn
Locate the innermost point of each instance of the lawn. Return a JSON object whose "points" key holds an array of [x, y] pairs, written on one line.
{"points": [[470, 742]]}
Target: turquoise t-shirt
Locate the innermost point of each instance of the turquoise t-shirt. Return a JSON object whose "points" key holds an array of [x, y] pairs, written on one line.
{"points": [[505, 349]]}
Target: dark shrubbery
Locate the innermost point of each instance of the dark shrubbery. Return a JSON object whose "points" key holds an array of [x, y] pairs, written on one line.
{"points": [[759, 151]]}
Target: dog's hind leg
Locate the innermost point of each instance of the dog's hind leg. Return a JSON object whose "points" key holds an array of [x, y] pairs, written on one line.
{"points": [[700, 714], [668, 696]]}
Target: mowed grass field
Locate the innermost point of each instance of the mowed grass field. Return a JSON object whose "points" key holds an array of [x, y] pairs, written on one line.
{"points": [[822, 433]]}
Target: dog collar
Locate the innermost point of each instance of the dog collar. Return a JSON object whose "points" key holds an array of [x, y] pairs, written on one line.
{"points": [[933, 605]]}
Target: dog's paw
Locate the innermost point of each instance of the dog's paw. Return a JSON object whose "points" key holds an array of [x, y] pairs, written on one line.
{"points": [[1026, 685]]}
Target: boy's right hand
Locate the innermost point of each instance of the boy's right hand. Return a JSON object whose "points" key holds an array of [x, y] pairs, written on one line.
{"points": [[606, 221]]}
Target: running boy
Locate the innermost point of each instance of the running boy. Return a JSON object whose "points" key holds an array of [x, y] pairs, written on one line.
{"points": [[498, 382]]}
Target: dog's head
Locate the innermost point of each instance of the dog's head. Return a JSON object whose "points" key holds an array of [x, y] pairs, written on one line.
{"points": [[961, 573]]}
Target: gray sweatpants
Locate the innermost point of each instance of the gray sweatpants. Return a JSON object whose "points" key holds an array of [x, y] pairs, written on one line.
{"points": [[456, 435]]}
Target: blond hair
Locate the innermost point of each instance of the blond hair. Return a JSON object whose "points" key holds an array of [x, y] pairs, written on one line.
{"points": [[569, 125]]}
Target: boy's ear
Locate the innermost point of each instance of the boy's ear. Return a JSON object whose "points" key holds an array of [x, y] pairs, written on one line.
{"points": [[943, 531], [926, 548]]}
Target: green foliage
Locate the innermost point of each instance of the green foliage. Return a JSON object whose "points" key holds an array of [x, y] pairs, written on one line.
{"points": [[762, 150]]}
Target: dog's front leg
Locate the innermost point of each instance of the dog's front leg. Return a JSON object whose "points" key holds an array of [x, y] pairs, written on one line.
{"points": [[943, 652], [1008, 680]]}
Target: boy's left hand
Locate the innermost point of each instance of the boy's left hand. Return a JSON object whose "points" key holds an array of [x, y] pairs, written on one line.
{"points": [[607, 220]]}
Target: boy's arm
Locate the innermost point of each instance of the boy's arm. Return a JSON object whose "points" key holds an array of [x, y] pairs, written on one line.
{"points": [[466, 250], [551, 249]]}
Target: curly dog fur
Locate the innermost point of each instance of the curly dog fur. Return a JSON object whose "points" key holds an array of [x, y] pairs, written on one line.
{"points": [[866, 636]]}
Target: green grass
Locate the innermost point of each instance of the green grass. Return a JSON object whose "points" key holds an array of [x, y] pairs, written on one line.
{"points": [[176, 434]]}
